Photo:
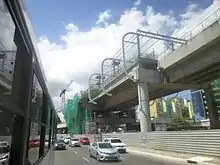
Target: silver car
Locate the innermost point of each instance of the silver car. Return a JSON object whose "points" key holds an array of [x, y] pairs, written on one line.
{"points": [[74, 143], [103, 151]]}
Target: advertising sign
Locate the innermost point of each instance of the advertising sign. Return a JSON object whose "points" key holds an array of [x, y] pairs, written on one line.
{"points": [[169, 108], [198, 105]]}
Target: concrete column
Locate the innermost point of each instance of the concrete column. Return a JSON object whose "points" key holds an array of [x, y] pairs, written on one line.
{"points": [[212, 110], [144, 109]]}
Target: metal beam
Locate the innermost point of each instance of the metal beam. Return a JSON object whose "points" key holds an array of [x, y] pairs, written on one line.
{"points": [[161, 35]]}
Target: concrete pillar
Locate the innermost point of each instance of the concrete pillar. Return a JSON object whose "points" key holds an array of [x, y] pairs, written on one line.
{"points": [[212, 110], [144, 109]]}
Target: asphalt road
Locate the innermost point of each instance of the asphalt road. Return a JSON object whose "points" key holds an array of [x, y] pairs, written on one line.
{"points": [[80, 156]]}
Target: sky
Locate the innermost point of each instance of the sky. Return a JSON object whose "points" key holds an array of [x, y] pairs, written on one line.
{"points": [[73, 37]]}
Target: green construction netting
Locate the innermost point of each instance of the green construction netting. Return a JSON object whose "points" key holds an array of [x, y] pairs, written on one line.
{"points": [[77, 118]]}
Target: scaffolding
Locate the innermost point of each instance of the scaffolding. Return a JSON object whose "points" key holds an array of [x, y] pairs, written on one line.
{"points": [[77, 118]]}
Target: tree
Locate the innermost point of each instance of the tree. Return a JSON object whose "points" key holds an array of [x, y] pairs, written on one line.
{"points": [[178, 123], [185, 112]]}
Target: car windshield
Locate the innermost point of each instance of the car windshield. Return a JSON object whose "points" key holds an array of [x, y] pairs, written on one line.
{"points": [[116, 141], [75, 139], [4, 150], [85, 139], [105, 145], [60, 141]]}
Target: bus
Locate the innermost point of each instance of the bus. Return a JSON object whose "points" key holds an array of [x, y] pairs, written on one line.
{"points": [[27, 114]]}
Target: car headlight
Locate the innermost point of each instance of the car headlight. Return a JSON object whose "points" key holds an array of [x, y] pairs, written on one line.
{"points": [[103, 152], [55, 145]]}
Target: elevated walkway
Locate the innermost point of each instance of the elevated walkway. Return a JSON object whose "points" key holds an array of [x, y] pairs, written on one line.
{"points": [[191, 65]]}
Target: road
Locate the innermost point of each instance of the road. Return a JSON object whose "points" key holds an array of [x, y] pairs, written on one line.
{"points": [[80, 156]]}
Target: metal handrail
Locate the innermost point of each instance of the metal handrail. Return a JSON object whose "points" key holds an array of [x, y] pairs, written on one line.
{"points": [[102, 71], [141, 33], [91, 100], [189, 33]]}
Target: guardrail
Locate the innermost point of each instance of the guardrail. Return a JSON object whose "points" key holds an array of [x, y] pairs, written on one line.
{"points": [[197, 142]]}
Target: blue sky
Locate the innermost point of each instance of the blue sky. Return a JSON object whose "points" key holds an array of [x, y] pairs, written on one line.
{"points": [[49, 17]]}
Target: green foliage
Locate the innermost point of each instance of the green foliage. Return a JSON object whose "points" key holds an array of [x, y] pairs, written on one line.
{"points": [[185, 113], [178, 124], [177, 121]]}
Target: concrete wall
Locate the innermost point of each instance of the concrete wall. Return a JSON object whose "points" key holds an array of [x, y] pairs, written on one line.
{"points": [[205, 142]]}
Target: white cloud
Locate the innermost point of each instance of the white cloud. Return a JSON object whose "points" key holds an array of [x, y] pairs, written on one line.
{"points": [[216, 2], [103, 17], [82, 52], [137, 3]]}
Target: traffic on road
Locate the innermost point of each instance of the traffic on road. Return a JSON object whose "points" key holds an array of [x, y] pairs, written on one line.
{"points": [[81, 156], [110, 150]]}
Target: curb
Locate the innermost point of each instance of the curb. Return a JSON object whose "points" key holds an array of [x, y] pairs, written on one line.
{"points": [[157, 156], [170, 158]]}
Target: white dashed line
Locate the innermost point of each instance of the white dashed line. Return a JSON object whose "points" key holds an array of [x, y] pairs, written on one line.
{"points": [[85, 159], [75, 152], [122, 158]]}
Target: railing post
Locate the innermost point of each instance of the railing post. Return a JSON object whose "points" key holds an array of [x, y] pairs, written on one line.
{"points": [[138, 46], [89, 91]]}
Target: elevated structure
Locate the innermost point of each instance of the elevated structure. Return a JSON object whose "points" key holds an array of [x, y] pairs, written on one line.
{"points": [[192, 64]]}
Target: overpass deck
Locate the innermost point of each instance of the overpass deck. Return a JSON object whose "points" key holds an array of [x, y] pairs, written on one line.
{"points": [[190, 66]]}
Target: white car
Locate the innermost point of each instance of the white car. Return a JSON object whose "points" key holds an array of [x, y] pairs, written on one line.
{"points": [[74, 143], [67, 140], [117, 143], [103, 151]]}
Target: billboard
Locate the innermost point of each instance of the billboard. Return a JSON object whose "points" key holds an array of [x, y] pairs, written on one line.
{"points": [[198, 105], [169, 108]]}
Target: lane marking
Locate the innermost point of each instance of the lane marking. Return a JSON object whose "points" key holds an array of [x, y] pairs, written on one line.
{"points": [[85, 159], [75, 152], [122, 158]]}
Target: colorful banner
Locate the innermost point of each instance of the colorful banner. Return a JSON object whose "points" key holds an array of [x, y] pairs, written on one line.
{"points": [[198, 105]]}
